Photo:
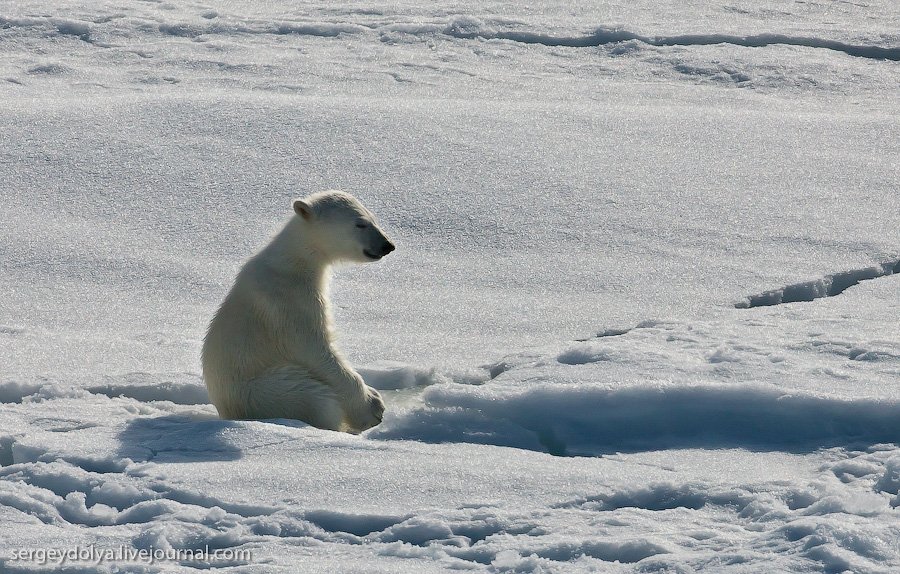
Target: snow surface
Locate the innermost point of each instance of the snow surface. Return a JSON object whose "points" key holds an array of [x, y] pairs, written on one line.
{"points": [[643, 316]]}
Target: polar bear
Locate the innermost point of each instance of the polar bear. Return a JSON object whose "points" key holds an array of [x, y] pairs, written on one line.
{"points": [[269, 351]]}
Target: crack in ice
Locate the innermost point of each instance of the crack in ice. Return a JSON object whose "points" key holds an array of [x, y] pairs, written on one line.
{"points": [[828, 286], [603, 36]]}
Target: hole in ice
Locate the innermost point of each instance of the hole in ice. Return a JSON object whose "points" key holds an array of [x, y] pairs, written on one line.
{"points": [[14, 392], [357, 524], [6, 454]]}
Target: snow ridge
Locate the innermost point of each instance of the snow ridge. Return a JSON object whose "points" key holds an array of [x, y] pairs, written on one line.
{"points": [[600, 420]]}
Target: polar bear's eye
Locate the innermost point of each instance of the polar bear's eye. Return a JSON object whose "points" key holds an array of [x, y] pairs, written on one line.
{"points": [[362, 225]]}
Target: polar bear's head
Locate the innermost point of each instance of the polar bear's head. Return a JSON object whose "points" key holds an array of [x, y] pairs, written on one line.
{"points": [[341, 228]]}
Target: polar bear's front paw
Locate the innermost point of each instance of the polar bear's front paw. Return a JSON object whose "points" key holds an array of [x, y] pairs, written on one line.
{"points": [[370, 411], [376, 405]]}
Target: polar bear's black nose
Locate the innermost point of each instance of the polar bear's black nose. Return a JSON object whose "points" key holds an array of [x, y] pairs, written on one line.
{"points": [[387, 248]]}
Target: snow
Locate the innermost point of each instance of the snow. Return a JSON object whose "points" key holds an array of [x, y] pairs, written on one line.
{"points": [[643, 315]]}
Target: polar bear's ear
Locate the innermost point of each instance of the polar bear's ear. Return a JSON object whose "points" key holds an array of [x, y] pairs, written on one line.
{"points": [[302, 209]]}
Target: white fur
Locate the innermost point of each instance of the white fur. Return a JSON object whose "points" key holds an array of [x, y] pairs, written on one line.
{"points": [[269, 351]]}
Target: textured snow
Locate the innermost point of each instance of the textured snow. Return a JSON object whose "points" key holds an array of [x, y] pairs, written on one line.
{"points": [[643, 316]]}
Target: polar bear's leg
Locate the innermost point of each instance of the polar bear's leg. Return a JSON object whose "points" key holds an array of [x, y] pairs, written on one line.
{"points": [[291, 392]]}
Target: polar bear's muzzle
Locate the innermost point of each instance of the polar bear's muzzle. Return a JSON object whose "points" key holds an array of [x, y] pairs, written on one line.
{"points": [[386, 248]]}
